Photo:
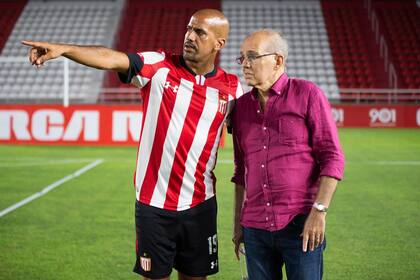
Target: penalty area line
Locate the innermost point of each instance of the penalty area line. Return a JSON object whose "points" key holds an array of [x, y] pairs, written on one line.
{"points": [[48, 188]]}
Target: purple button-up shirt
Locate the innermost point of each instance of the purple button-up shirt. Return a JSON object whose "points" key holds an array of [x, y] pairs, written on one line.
{"points": [[281, 152]]}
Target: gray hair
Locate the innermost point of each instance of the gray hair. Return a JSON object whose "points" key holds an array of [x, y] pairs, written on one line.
{"points": [[278, 42]]}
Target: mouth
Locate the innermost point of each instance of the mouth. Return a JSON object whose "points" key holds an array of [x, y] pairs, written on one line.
{"points": [[189, 47]]}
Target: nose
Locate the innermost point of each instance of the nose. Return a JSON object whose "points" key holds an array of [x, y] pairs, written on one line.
{"points": [[190, 36], [246, 63]]}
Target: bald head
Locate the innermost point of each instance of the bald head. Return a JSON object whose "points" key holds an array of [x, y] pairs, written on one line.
{"points": [[269, 41], [216, 21]]}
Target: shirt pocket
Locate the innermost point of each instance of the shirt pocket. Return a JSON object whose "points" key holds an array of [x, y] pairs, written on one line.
{"points": [[290, 130]]}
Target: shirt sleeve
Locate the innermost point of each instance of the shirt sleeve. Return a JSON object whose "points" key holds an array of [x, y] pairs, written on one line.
{"points": [[239, 171], [142, 67], [325, 141]]}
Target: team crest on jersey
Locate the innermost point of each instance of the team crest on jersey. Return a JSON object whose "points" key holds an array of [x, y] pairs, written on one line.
{"points": [[168, 85], [222, 106], [146, 263]]}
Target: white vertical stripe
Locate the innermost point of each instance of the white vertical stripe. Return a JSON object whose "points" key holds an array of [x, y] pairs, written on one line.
{"points": [[149, 128], [239, 90], [182, 102], [200, 139], [208, 180]]}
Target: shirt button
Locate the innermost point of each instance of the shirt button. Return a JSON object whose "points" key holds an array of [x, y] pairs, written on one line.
{"points": [[272, 225], [268, 204], [265, 128], [258, 111], [265, 185], [266, 218], [265, 147], [262, 165]]}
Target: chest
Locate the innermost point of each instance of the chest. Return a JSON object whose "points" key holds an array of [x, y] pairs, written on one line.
{"points": [[198, 96], [281, 123]]}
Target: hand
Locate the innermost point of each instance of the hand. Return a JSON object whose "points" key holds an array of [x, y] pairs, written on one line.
{"points": [[313, 230], [42, 51], [237, 239]]}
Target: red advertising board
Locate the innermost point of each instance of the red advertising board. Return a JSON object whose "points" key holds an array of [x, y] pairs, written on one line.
{"points": [[376, 116], [78, 124], [120, 125]]}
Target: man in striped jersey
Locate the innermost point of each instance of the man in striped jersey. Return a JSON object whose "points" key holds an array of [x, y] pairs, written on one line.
{"points": [[186, 100]]}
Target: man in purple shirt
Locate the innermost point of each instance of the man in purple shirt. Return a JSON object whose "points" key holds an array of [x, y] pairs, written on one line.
{"points": [[287, 163]]}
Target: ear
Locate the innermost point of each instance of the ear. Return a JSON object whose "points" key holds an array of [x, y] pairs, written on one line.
{"points": [[220, 43], [279, 61]]}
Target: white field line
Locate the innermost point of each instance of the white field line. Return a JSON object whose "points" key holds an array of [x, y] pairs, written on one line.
{"points": [[50, 187], [10, 164]]}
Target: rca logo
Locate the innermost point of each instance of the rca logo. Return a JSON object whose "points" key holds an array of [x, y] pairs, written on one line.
{"points": [[338, 116], [383, 117], [49, 125], [78, 126]]}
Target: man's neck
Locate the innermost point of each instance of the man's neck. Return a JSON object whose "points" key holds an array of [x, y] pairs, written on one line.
{"points": [[264, 88], [200, 68]]}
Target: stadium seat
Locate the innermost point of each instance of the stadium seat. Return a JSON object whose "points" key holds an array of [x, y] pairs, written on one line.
{"points": [[301, 22], [87, 22]]}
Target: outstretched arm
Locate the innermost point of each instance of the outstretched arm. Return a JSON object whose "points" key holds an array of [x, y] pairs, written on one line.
{"points": [[93, 56]]}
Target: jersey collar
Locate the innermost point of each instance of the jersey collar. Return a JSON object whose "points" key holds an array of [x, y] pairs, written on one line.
{"points": [[210, 74]]}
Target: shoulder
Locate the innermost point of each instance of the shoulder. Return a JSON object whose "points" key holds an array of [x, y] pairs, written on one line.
{"points": [[243, 100], [305, 88], [153, 57]]}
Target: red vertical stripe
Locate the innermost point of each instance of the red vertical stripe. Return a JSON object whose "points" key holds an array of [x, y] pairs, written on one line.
{"points": [[164, 118], [189, 129], [199, 186]]}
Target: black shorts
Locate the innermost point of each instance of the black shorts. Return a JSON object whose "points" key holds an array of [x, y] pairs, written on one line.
{"points": [[185, 240]]}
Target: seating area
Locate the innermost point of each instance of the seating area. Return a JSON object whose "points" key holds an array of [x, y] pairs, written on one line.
{"points": [[330, 42], [401, 23], [81, 22], [301, 22], [349, 39]]}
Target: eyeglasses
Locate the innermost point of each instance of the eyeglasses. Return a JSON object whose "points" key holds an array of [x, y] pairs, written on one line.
{"points": [[251, 57]]}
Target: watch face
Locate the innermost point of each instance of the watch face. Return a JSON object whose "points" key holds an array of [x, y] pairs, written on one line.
{"points": [[320, 207]]}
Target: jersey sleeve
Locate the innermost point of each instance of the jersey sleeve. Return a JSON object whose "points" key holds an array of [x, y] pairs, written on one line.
{"points": [[142, 67]]}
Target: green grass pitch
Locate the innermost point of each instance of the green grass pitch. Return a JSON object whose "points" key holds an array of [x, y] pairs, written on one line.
{"points": [[84, 229]]}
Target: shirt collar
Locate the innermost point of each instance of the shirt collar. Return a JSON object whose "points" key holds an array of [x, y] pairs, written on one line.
{"points": [[277, 88], [210, 74]]}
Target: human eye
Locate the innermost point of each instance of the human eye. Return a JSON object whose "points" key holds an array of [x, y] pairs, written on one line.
{"points": [[251, 56]]}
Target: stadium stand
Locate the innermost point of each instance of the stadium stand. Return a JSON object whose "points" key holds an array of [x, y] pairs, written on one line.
{"points": [[355, 55], [330, 42], [10, 12], [152, 25], [302, 24], [78, 22], [402, 31]]}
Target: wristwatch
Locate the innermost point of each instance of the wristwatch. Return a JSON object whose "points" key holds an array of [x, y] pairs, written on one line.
{"points": [[320, 207]]}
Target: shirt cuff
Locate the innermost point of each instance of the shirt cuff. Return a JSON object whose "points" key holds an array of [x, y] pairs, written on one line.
{"points": [[135, 66], [333, 172]]}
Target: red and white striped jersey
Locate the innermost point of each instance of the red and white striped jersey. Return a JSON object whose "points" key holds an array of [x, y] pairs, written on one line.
{"points": [[183, 116]]}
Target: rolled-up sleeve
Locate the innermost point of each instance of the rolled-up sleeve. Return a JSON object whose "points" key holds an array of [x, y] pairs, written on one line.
{"points": [[239, 171], [325, 141]]}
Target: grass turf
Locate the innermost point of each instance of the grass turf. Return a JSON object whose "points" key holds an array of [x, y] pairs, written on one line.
{"points": [[84, 229]]}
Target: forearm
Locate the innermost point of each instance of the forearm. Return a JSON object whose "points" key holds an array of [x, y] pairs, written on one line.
{"points": [[326, 190], [97, 57], [239, 199]]}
